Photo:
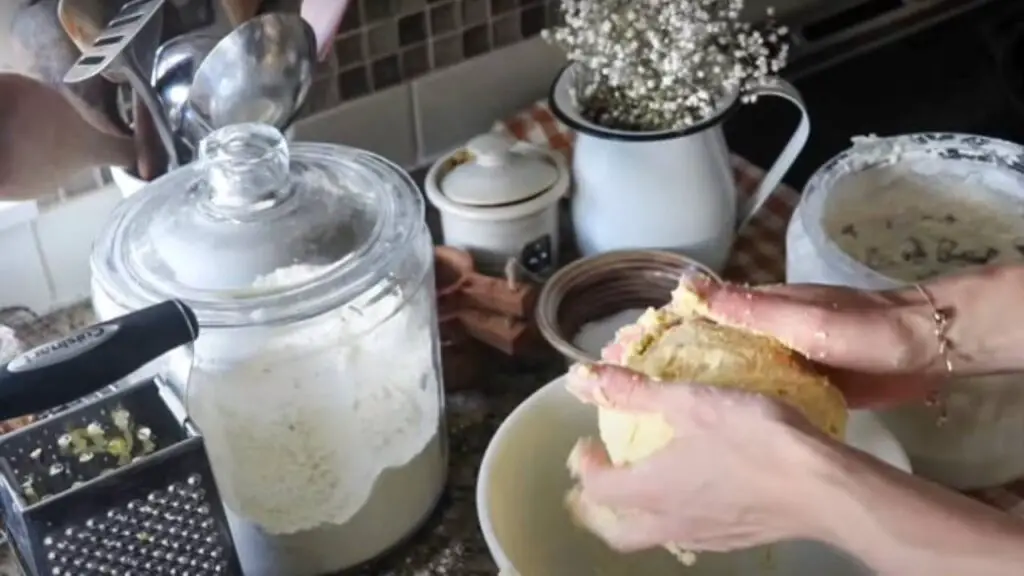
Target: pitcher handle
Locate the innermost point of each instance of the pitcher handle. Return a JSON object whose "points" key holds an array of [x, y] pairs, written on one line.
{"points": [[782, 89]]}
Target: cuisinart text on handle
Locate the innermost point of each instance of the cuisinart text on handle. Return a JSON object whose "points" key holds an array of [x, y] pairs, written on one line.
{"points": [[56, 352]]}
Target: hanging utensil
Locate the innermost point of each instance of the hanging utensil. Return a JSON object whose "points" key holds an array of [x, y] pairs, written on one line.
{"points": [[260, 72], [152, 159], [128, 44], [176, 63], [83, 21], [40, 48]]}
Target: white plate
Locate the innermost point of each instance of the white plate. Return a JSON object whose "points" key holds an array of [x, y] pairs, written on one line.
{"points": [[523, 481]]}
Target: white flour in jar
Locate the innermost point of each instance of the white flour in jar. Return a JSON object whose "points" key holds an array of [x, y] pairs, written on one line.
{"points": [[324, 435]]}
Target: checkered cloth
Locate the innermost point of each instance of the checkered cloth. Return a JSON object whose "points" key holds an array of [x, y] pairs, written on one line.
{"points": [[758, 255]]}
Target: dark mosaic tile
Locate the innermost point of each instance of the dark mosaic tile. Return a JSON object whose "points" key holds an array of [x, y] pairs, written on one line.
{"points": [[476, 40], [505, 30], [382, 39], [475, 12], [415, 62], [532, 21], [377, 10], [410, 6], [353, 83], [412, 29], [501, 6], [386, 72], [446, 50], [350, 49], [445, 18], [353, 19]]}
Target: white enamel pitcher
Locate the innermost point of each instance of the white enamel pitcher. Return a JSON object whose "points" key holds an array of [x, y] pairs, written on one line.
{"points": [[667, 190]]}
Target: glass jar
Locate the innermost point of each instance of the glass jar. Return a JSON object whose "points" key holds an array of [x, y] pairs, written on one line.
{"points": [[316, 380]]}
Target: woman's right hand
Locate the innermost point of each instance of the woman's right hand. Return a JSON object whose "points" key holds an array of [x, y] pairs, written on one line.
{"points": [[882, 348]]}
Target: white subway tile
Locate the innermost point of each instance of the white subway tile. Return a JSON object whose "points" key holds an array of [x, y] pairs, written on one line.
{"points": [[457, 103], [15, 213], [381, 122], [23, 280], [66, 234]]}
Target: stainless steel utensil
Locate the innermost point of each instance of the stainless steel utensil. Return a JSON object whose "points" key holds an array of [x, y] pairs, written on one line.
{"points": [[37, 45], [129, 44], [174, 69], [260, 72], [187, 49], [83, 21]]}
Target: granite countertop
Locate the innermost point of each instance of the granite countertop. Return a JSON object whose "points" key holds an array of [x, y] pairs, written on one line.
{"points": [[450, 541]]}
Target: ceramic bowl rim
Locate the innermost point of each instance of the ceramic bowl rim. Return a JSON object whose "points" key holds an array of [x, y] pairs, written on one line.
{"points": [[547, 310], [501, 435]]}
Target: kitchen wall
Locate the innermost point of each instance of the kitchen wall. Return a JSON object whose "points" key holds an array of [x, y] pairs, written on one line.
{"points": [[410, 80]]}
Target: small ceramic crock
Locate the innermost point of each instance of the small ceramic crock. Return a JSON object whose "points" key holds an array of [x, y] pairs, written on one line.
{"points": [[498, 199]]}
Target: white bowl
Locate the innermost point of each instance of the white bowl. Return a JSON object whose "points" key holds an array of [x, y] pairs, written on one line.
{"points": [[523, 481]]}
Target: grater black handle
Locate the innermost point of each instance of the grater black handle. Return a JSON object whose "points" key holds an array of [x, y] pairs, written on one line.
{"points": [[65, 370]]}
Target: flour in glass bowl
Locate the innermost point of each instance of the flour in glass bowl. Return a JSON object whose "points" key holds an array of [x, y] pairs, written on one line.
{"points": [[911, 227], [324, 435]]}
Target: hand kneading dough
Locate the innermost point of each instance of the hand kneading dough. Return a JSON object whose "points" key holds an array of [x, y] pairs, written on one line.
{"points": [[678, 343]]}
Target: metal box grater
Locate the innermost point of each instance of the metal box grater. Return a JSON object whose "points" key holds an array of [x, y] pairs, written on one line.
{"points": [[119, 485]]}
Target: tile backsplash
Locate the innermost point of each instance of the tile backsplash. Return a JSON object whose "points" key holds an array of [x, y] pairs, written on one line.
{"points": [[383, 43]]}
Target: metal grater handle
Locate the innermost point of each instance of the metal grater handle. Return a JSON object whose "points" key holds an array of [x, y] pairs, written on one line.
{"points": [[114, 40], [65, 370]]}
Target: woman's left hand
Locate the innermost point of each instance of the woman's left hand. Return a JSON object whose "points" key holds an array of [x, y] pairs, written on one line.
{"points": [[731, 477]]}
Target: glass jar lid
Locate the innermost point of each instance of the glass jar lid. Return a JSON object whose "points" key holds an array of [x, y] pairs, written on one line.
{"points": [[258, 229]]}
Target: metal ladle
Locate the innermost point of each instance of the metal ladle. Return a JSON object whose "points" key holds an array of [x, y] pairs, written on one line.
{"points": [[260, 72]]}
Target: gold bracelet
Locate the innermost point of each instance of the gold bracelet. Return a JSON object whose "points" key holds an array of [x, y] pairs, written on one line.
{"points": [[942, 318]]}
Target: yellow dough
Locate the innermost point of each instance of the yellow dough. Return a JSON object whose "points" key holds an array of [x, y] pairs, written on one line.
{"points": [[678, 343]]}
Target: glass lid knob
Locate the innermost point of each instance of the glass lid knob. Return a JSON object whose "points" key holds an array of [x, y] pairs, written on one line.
{"points": [[248, 168]]}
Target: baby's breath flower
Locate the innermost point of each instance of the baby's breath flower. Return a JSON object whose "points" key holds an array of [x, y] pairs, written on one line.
{"points": [[663, 64]]}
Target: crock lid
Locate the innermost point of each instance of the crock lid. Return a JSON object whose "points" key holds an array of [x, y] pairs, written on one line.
{"points": [[494, 171], [253, 225]]}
